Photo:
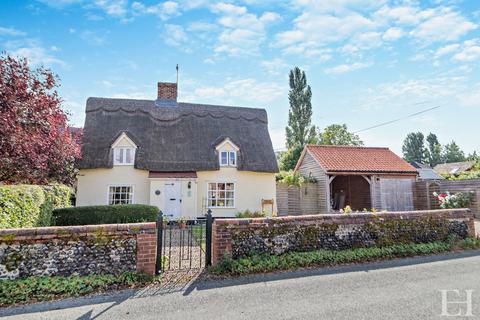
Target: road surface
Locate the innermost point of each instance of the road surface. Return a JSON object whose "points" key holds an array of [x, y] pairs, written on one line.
{"points": [[400, 289]]}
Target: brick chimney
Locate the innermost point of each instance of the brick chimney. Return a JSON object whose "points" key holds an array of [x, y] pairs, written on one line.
{"points": [[167, 91]]}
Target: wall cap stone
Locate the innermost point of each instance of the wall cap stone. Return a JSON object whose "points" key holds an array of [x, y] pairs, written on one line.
{"points": [[144, 227], [338, 217]]}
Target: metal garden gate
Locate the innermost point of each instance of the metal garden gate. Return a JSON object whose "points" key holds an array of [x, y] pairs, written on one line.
{"points": [[184, 245]]}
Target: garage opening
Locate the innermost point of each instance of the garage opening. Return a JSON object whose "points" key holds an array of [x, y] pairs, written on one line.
{"points": [[350, 190]]}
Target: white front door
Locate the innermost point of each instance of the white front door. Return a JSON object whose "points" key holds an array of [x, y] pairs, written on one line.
{"points": [[173, 199]]}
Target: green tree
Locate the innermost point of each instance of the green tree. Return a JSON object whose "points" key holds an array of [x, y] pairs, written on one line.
{"points": [[434, 151], [299, 131], [453, 153], [338, 134], [414, 147], [289, 158], [473, 156]]}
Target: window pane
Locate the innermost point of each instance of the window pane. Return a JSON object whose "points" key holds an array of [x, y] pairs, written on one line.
{"points": [[221, 186], [232, 160], [221, 194], [120, 195], [212, 186], [128, 155], [230, 186], [229, 195], [223, 158], [229, 203]]}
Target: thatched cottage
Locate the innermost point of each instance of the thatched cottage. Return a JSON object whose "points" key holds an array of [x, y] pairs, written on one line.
{"points": [[184, 158]]}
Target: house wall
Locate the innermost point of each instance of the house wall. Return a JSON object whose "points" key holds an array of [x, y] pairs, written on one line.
{"points": [[310, 167], [250, 189], [93, 184], [188, 196]]}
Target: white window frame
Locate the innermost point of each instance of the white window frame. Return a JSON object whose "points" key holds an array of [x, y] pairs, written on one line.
{"points": [[123, 150], [120, 185], [231, 158], [225, 198]]}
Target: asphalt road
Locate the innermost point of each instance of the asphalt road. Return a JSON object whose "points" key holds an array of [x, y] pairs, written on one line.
{"points": [[400, 289]]}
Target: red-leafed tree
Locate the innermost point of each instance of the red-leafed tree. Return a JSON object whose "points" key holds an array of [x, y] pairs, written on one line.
{"points": [[36, 144]]}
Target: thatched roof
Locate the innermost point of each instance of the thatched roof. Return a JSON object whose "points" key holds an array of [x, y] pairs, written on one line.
{"points": [[178, 137]]}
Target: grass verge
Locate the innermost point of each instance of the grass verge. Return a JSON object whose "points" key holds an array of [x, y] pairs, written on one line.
{"points": [[294, 260], [34, 289]]}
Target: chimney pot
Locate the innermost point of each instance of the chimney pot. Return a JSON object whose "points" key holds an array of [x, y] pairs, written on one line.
{"points": [[167, 91]]}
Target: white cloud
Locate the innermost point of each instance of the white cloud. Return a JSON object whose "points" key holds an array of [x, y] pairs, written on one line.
{"points": [[472, 98], [442, 24], [115, 8], [11, 32], [35, 53], [344, 68], [448, 49], [470, 51], [363, 41], [393, 34], [245, 91], [164, 10], [96, 38], [244, 32], [174, 35], [274, 66]]}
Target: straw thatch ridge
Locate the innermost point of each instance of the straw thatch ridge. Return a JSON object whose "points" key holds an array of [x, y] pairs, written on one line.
{"points": [[178, 137]]}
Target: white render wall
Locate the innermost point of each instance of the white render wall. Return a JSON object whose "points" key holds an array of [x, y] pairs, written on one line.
{"points": [[93, 184]]}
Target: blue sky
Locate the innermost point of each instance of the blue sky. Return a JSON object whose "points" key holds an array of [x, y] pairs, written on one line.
{"points": [[367, 61]]}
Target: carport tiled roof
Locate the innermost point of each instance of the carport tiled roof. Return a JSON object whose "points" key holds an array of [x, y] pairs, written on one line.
{"points": [[359, 159]]}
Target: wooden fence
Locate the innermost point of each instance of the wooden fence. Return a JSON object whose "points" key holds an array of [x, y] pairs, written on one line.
{"points": [[424, 199], [293, 200]]}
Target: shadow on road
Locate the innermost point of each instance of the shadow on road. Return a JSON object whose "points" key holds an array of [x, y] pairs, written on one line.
{"points": [[201, 284], [186, 283]]}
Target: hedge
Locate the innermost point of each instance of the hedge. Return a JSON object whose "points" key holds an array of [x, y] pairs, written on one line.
{"points": [[122, 213], [24, 206]]}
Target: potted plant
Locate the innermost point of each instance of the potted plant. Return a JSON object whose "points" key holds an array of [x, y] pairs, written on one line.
{"points": [[182, 222], [165, 222]]}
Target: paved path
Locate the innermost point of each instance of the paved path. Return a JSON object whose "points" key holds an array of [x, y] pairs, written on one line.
{"points": [[401, 289]]}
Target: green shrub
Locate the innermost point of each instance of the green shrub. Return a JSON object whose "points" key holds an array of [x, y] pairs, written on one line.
{"points": [[294, 260], [23, 206], [292, 178], [47, 288], [122, 213], [251, 214]]}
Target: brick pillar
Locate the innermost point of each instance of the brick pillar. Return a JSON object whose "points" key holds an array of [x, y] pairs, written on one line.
{"points": [[146, 252], [221, 240]]}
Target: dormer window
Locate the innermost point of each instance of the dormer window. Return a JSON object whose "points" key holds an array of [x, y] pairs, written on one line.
{"points": [[123, 151], [227, 153], [228, 158], [123, 156]]}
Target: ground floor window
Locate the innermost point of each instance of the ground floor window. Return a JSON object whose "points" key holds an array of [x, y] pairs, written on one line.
{"points": [[120, 195], [221, 195]]}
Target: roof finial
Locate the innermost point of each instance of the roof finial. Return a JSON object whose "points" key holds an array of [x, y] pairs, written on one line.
{"points": [[177, 73]]}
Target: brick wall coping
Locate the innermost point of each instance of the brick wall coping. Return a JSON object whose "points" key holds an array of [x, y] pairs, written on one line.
{"points": [[145, 227], [348, 218]]}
